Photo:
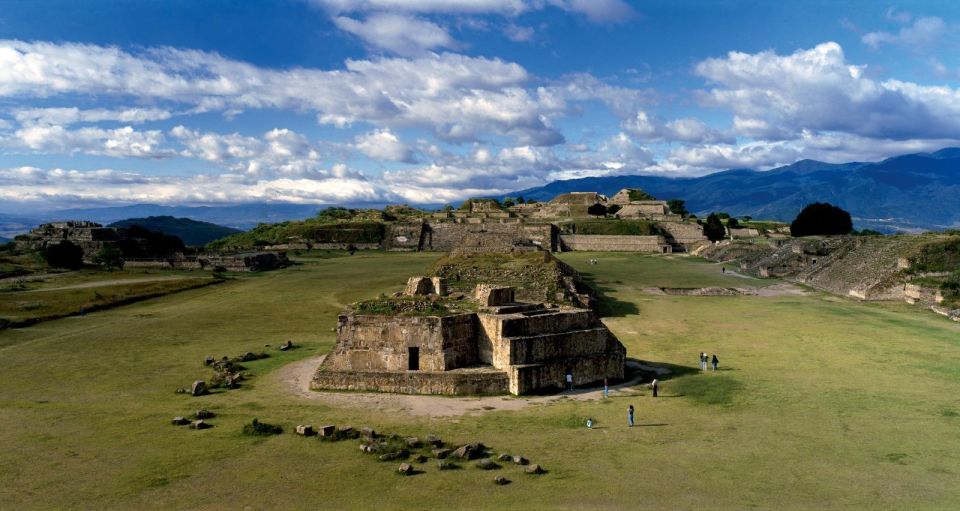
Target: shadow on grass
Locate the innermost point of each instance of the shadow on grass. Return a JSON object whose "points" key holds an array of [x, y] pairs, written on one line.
{"points": [[607, 306], [707, 389]]}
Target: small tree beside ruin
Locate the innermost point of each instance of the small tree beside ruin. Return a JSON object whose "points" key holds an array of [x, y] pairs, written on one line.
{"points": [[597, 210], [713, 229]]}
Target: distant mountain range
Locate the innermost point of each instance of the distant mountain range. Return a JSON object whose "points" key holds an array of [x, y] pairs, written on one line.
{"points": [[913, 192], [192, 232]]}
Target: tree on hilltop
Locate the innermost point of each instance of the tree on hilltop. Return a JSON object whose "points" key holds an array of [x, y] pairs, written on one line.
{"points": [[821, 218]]}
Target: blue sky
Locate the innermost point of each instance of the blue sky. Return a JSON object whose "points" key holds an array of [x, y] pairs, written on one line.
{"points": [[433, 101]]}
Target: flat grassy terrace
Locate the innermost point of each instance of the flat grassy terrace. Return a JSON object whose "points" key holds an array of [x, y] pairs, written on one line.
{"points": [[821, 403]]}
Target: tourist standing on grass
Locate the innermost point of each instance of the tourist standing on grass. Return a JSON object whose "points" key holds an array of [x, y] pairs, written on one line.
{"points": [[606, 389], [655, 387], [589, 423], [569, 380], [703, 361], [715, 361], [630, 416]]}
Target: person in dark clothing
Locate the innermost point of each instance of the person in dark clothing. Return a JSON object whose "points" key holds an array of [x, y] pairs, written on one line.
{"points": [[630, 416], [715, 361], [655, 386]]}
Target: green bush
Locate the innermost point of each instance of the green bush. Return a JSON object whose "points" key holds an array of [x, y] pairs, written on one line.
{"points": [[257, 428]]}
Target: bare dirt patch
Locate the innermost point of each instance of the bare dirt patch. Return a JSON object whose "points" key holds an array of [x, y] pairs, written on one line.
{"points": [[296, 377]]}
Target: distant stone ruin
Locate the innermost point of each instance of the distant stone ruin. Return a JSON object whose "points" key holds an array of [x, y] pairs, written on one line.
{"points": [[89, 236], [504, 347], [93, 237]]}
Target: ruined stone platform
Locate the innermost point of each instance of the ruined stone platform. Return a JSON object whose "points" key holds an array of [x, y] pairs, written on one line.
{"points": [[507, 346]]}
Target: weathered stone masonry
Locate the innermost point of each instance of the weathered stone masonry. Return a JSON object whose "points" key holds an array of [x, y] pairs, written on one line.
{"points": [[518, 348]]}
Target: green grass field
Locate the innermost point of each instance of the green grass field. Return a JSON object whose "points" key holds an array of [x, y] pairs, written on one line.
{"points": [[821, 403]]}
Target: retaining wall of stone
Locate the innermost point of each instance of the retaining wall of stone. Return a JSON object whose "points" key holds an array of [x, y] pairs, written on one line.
{"points": [[414, 382], [381, 343], [612, 243]]}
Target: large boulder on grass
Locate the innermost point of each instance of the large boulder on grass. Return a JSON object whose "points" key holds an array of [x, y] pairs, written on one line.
{"points": [[534, 469], [441, 453], [500, 480], [405, 469], [199, 388], [179, 421], [520, 460]]}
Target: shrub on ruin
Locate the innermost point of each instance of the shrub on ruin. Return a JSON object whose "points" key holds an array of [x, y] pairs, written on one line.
{"points": [[821, 218], [64, 255], [257, 428], [612, 210]]}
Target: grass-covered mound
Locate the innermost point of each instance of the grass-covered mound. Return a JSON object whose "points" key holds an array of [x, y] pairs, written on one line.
{"points": [[331, 225], [536, 276], [412, 306], [613, 227], [942, 259]]}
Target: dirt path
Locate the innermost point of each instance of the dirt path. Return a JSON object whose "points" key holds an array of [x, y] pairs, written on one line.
{"points": [[296, 378]]}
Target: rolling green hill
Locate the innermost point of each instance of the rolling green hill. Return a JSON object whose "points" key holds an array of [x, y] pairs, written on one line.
{"points": [[192, 232]]}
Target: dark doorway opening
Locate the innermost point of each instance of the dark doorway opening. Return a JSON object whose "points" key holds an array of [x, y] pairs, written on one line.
{"points": [[413, 358]]}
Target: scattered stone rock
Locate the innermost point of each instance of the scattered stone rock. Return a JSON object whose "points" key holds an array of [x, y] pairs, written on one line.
{"points": [[181, 390], [208, 361], [420, 458], [345, 430], [418, 286], [368, 432], [286, 346], [534, 469], [457, 296], [487, 464], [199, 388], [505, 457], [501, 480], [179, 421], [520, 460], [391, 456], [446, 465], [305, 430], [434, 441], [441, 453], [328, 430], [199, 424], [465, 452], [205, 414], [413, 442], [405, 469]]}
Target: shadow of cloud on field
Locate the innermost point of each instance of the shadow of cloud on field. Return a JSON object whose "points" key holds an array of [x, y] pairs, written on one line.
{"points": [[607, 306]]}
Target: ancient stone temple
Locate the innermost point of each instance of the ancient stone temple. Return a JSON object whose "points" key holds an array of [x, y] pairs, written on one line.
{"points": [[503, 347]]}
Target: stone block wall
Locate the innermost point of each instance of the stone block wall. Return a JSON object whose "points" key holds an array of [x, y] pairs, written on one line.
{"points": [[688, 235], [612, 243], [551, 376], [404, 237], [486, 236], [368, 342], [414, 382]]}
